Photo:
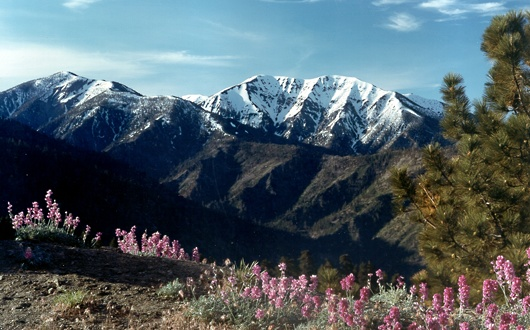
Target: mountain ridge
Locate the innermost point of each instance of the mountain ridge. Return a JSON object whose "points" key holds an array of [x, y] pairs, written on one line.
{"points": [[340, 113], [308, 160], [336, 112]]}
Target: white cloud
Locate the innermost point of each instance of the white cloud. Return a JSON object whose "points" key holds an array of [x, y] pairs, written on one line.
{"points": [[389, 2], [291, 1], [488, 7], [79, 4], [403, 22], [22, 59], [183, 57], [25, 61], [458, 8], [453, 8]]}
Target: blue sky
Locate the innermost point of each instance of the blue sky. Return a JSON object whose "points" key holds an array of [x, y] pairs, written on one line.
{"points": [[179, 47]]}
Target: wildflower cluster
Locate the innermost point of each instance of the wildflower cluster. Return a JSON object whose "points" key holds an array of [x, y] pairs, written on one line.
{"points": [[155, 245], [250, 297], [346, 309], [395, 308], [34, 225]]}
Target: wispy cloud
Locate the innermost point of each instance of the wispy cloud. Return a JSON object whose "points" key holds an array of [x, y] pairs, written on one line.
{"points": [[229, 31], [79, 4], [403, 22], [488, 7], [184, 57], [452, 8], [27, 60], [291, 1], [30, 60], [389, 2], [459, 8]]}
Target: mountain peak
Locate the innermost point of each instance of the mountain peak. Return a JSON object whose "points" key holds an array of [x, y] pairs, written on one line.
{"points": [[332, 111], [341, 113]]}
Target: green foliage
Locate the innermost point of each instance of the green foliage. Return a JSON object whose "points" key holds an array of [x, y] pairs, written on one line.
{"points": [[306, 264], [70, 299], [48, 234], [172, 289], [328, 277], [474, 201]]}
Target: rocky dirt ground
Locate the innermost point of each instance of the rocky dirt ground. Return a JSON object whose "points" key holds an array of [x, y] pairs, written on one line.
{"points": [[120, 289]]}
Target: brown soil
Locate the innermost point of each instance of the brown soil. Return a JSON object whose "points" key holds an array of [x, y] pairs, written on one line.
{"points": [[121, 289]]}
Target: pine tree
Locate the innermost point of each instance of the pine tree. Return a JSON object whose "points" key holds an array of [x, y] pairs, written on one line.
{"points": [[305, 263], [474, 201], [328, 277], [346, 265]]}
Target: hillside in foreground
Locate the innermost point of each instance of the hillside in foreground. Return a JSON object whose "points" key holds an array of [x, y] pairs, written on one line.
{"points": [[120, 289]]}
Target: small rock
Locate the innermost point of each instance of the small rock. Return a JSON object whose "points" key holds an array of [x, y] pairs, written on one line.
{"points": [[24, 305]]}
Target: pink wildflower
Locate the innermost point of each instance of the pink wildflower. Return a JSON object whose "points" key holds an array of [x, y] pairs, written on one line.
{"points": [[278, 302], [175, 248], [86, 232], [48, 199], [400, 282], [28, 254], [306, 311], [195, 256], [9, 208], [413, 326], [507, 319], [479, 309], [526, 305], [489, 287], [256, 270], [516, 287], [232, 280], [259, 314], [424, 292], [463, 292], [490, 316], [365, 294], [413, 289], [314, 283], [504, 269], [332, 304], [36, 213], [18, 220], [255, 293], [464, 326], [317, 302], [380, 275], [391, 320], [437, 303], [347, 282], [282, 267], [246, 293], [449, 300]]}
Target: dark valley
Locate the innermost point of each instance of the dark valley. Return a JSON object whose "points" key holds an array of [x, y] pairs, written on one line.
{"points": [[267, 168]]}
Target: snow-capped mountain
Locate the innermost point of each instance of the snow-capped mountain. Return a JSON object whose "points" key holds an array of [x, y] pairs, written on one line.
{"points": [[341, 113], [274, 151], [108, 116]]}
